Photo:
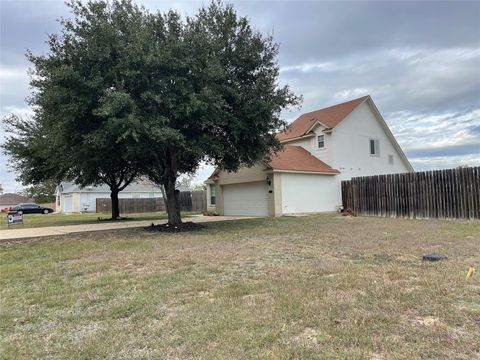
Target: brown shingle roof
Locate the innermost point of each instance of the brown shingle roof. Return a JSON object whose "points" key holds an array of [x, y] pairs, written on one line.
{"points": [[292, 158], [296, 158], [330, 117], [10, 198]]}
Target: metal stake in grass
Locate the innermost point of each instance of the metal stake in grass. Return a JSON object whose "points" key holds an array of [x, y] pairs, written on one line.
{"points": [[470, 272]]}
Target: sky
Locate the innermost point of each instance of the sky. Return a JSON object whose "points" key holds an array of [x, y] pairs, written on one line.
{"points": [[419, 61]]}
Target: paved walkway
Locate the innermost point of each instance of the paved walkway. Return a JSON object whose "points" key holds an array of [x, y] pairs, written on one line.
{"points": [[70, 229]]}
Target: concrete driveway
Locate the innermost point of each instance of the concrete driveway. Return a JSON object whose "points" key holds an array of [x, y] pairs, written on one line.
{"points": [[70, 229]]}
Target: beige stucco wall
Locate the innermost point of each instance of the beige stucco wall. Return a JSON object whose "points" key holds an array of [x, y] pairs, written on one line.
{"points": [[277, 194], [58, 199], [243, 175]]}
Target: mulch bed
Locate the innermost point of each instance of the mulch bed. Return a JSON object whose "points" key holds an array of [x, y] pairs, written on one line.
{"points": [[183, 227]]}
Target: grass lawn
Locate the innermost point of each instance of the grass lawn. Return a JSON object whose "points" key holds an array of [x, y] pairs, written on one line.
{"points": [[57, 219], [315, 287]]}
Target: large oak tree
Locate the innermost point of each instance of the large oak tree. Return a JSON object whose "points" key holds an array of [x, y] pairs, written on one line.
{"points": [[214, 97]]}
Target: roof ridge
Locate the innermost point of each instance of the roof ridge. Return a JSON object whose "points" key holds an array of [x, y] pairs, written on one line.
{"points": [[331, 106]]}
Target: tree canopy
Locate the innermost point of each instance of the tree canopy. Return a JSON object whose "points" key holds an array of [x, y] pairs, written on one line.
{"points": [[42, 193], [216, 97], [123, 92]]}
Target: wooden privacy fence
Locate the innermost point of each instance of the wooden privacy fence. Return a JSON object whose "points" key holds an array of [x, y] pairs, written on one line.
{"points": [[131, 206], [193, 200], [453, 193], [189, 201]]}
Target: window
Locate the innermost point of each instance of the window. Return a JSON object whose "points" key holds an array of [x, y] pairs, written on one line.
{"points": [[321, 141], [374, 147], [135, 195], [390, 159], [213, 194]]}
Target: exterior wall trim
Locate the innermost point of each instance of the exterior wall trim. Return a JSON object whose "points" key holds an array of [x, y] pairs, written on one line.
{"points": [[297, 138], [305, 172], [314, 125]]}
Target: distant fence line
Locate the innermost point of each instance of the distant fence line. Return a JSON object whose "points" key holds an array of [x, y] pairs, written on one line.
{"points": [[453, 193], [189, 201], [51, 205]]}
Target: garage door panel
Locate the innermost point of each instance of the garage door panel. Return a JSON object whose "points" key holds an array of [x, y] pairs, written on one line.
{"points": [[249, 199]]}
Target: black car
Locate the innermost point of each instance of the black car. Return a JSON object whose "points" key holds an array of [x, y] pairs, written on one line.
{"points": [[30, 208]]}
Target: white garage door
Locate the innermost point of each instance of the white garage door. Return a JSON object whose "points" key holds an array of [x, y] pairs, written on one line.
{"points": [[250, 199], [67, 203]]}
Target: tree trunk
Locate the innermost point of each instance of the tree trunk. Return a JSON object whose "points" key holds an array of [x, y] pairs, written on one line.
{"points": [[172, 202], [115, 207]]}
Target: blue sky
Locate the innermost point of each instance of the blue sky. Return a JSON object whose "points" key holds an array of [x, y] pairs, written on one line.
{"points": [[418, 60]]}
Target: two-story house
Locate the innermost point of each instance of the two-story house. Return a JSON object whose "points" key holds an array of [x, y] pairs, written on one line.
{"points": [[321, 148]]}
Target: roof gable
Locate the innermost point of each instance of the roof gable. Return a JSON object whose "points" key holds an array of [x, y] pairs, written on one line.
{"points": [[329, 117]]}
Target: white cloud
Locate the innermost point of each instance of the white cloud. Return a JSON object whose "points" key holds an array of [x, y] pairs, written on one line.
{"points": [[204, 171], [445, 162], [309, 67], [415, 130], [13, 73]]}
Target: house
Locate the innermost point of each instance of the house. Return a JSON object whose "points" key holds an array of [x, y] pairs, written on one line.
{"points": [[9, 200], [73, 198], [321, 148]]}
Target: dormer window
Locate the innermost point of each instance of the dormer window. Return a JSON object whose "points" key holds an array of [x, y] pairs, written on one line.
{"points": [[321, 141]]}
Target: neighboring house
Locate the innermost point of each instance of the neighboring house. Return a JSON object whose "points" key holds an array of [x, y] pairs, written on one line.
{"points": [[321, 148], [73, 198], [9, 200]]}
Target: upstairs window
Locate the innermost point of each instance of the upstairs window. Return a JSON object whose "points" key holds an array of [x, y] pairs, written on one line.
{"points": [[374, 147], [321, 141], [213, 194], [390, 159]]}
